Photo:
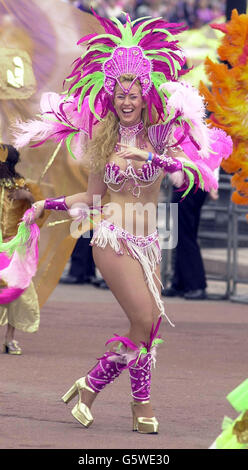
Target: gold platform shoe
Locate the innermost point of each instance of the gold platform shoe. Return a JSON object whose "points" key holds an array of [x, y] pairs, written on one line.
{"points": [[81, 412], [144, 425]]}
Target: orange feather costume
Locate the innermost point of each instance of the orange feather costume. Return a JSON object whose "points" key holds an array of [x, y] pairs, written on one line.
{"points": [[227, 101]]}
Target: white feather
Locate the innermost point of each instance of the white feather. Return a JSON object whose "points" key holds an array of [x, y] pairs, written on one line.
{"points": [[186, 99]]}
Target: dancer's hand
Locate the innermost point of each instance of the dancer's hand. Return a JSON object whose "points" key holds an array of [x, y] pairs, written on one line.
{"points": [[132, 153], [38, 208]]}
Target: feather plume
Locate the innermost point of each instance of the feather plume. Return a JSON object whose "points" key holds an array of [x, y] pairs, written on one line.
{"points": [[227, 100], [189, 105]]}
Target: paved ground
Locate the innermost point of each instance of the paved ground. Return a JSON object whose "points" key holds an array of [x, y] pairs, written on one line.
{"points": [[201, 360]]}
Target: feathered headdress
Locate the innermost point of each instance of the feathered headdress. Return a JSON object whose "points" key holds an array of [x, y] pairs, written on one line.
{"points": [[145, 48], [227, 100]]}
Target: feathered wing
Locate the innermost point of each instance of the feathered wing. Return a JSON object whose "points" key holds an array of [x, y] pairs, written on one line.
{"points": [[227, 99], [87, 84], [59, 120], [186, 128]]}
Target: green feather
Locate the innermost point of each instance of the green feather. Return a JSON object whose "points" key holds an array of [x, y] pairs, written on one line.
{"points": [[194, 167], [166, 92], [157, 51], [119, 25], [99, 60], [170, 116], [190, 175], [83, 92], [158, 78], [97, 48], [142, 351], [157, 341], [127, 34], [190, 123], [80, 84], [165, 31], [69, 79], [93, 93], [191, 181], [68, 143], [142, 35], [163, 59], [83, 81], [142, 26], [112, 37], [48, 118], [140, 19], [18, 242]]}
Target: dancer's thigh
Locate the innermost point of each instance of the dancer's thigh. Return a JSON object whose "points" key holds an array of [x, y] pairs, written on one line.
{"points": [[125, 278]]}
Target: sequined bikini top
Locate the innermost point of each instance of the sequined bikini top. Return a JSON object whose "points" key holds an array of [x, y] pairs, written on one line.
{"points": [[144, 176]]}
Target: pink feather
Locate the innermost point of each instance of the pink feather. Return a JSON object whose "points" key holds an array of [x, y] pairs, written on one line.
{"points": [[220, 147], [189, 103]]}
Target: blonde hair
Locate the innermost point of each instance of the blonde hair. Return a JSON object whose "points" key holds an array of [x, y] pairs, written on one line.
{"points": [[105, 136]]}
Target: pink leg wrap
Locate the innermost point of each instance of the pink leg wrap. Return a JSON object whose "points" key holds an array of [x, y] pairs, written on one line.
{"points": [[107, 369], [140, 370], [140, 377]]}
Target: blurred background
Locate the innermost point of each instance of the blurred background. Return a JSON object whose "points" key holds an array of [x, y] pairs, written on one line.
{"points": [[44, 34]]}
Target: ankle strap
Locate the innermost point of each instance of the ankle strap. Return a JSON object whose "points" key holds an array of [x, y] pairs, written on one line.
{"points": [[83, 384]]}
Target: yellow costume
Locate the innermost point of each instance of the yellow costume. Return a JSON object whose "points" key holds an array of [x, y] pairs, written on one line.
{"points": [[24, 312]]}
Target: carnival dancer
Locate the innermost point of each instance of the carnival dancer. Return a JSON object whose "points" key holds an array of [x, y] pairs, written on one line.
{"points": [[140, 123], [19, 307]]}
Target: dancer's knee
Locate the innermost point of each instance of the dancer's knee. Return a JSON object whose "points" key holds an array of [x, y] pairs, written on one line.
{"points": [[141, 328]]}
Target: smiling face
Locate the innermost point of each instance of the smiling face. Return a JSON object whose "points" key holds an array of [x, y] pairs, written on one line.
{"points": [[128, 106]]}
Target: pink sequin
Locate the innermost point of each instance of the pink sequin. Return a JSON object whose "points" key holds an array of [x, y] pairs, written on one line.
{"points": [[127, 60]]}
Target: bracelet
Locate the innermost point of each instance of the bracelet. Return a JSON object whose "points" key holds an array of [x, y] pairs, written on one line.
{"points": [[57, 204], [150, 156]]}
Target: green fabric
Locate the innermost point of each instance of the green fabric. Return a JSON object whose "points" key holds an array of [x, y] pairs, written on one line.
{"points": [[16, 243], [238, 398]]}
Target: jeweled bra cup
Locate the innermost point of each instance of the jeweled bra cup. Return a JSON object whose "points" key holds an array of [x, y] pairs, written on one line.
{"points": [[144, 176]]}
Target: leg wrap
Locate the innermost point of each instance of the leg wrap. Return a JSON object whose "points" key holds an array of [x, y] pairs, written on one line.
{"points": [[107, 369], [140, 370], [140, 377]]}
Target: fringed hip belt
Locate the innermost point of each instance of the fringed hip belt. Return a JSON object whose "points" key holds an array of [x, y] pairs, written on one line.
{"points": [[145, 249]]}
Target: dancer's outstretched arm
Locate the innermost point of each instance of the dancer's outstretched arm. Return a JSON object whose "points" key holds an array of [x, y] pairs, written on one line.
{"points": [[96, 186]]}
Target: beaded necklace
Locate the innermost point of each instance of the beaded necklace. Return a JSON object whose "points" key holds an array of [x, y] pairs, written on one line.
{"points": [[128, 135]]}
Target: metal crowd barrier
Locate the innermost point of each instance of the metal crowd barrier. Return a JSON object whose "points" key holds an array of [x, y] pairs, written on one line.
{"points": [[232, 238], [228, 238], [238, 212]]}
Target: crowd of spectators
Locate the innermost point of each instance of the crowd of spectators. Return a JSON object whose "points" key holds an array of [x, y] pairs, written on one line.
{"points": [[194, 13]]}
